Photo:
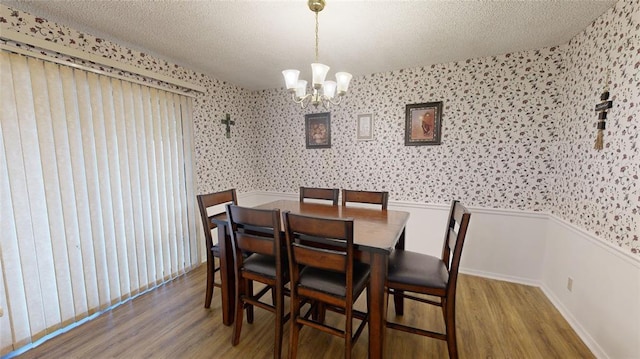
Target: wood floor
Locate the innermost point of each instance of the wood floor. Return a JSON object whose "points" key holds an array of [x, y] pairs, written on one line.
{"points": [[495, 320]]}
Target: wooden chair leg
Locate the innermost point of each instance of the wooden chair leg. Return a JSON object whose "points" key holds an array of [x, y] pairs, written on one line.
{"points": [[398, 302], [348, 329], [237, 325], [295, 328], [450, 323], [249, 286], [274, 295], [210, 278], [322, 311], [279, 304]]}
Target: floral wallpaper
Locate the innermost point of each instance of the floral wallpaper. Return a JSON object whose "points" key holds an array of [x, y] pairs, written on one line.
{"points": [[517, 132], [600, 190], [517, 129], [495, 134]]}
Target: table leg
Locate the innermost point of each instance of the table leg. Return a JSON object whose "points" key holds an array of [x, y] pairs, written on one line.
{"points": [[228, 285], [398, 297], [377, 304]]}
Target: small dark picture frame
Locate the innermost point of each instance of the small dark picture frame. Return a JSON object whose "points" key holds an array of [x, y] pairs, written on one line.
{"points": [[423, 124], [317, 130]]}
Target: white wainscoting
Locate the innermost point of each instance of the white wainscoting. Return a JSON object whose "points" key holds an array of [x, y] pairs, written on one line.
{"points": [[604, 304], [542, 250]]}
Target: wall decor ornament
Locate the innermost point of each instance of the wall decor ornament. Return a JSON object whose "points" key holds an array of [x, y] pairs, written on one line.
{"points": [[423, 124], [227, 122], [602, 109], [364, 130], [317, 129]]}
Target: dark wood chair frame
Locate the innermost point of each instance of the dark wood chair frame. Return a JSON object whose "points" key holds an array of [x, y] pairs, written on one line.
{"points": [[213, 250], [381, 198], [330, 194], [451, 253], [325, 244], [258, 231]]}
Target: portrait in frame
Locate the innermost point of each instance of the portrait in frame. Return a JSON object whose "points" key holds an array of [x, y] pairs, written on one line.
{"points": [[423, 124], [364, 130], [317, 129]]}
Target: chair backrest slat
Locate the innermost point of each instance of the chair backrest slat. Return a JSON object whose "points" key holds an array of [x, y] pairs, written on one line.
{"points": [[255, 230], [325, 243], [455, 235], [320, 258], [330, 194], [317, 227], [215, 198], [255, 243], [381, 198], [209, 200]]}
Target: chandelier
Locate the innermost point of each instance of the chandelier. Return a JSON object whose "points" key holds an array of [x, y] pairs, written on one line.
{"points": [[323, 92]]}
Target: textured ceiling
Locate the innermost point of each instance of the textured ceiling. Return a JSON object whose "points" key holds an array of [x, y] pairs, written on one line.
{"points": [[248, 43]]}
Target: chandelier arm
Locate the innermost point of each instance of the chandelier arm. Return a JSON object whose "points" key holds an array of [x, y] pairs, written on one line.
{"points": [[335, 103], [303, 101]]}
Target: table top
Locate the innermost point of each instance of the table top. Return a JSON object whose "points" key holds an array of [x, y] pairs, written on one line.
{"points": [[373, 229]]}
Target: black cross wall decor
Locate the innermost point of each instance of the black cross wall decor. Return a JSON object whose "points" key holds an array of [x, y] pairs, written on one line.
{"points": [[228, 123]]}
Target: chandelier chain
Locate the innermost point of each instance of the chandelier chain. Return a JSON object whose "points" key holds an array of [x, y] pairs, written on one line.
{"points": [[316, 36]]}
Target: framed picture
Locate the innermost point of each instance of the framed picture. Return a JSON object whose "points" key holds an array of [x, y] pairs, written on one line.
{"points": [[423, 124], [364, 131], [317, 130]]}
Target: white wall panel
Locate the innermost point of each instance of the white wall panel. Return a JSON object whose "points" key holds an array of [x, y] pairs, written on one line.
{"points": [[603, 306]]}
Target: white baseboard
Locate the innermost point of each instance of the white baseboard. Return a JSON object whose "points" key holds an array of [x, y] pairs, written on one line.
{"points": [[499, 276], [588, 340]]}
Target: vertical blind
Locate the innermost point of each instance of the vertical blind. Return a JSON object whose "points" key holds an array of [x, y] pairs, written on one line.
{"points": [[96, 194]]}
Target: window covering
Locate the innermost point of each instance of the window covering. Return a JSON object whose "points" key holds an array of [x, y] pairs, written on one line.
{"points": [[96, 194]]}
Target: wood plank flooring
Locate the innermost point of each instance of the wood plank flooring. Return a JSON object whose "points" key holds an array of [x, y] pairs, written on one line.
{"points": [[495, 320]]}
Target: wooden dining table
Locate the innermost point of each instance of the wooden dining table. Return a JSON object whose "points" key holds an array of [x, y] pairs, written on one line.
{"points": [[376, 234]]}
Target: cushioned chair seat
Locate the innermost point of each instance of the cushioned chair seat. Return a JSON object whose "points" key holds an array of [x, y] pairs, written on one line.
{"points": [[216, 250], [332, 282], [262, 264], [417, 269]]}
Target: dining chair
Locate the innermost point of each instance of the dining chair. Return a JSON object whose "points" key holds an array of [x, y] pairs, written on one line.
{"points": [[330, 194], [433, 276], [257, 231], [205, 201], [323, 271], [381, 198]]}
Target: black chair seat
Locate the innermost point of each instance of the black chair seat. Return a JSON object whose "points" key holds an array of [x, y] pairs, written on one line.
{"points": [[260, 264], [334, 283], [417, 269], [216, 250]]}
